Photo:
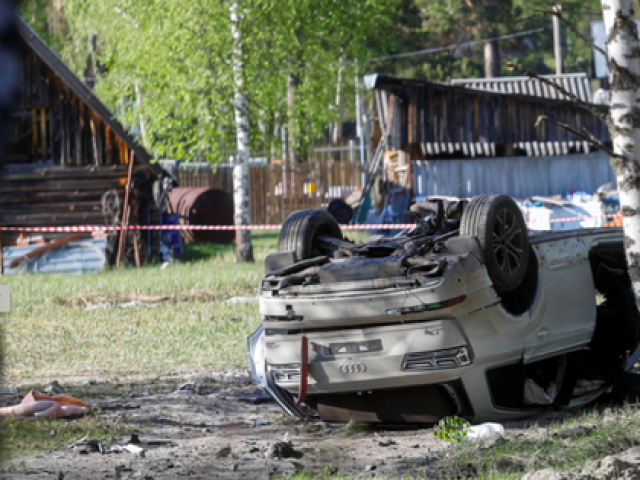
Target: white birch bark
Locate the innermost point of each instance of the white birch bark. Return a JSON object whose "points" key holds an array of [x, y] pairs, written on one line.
{"points": [[624, 63], [337, 130], [142, 119], [244, 249]]}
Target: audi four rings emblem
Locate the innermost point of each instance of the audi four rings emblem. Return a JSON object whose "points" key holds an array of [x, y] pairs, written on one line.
{"points": [[349, 368]]}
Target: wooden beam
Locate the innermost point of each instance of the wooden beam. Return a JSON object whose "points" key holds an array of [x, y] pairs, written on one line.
{"points": [[125, 210]]}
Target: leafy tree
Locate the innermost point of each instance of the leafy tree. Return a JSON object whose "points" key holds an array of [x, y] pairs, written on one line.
{"points": [[452, 22], [178, 55]]}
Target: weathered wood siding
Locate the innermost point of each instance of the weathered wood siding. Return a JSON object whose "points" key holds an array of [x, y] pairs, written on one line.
{"points": [[429, 115], [66, 151], [276, 190]]}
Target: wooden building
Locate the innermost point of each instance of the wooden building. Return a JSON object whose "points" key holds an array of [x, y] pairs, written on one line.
{"points": [[67, 158], [484, 136]]}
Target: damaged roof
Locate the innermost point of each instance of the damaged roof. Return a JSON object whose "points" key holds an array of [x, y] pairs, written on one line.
{"points": [[574, 83], [60, 68], [436, 117]]}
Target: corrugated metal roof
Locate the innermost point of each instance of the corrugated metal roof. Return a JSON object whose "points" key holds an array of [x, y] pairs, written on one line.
{"points": [[488, 149], [75, 258], [575, 83], [438, 116]]}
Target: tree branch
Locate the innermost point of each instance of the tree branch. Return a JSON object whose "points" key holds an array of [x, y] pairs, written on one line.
{"points": [[585, 136], [554, 85], [558, 13]]}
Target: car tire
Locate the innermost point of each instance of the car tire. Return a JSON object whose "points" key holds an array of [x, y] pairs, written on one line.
{"points": [[340, 210], [497, 222], [301, 230]]}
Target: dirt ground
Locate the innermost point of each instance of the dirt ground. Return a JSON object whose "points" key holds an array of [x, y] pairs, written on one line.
{"points": [[227, 429]]}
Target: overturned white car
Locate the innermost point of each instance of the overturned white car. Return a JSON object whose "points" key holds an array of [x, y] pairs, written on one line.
{"points": [[464, 314]]}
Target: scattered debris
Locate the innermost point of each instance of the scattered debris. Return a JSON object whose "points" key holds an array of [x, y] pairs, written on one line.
{"points": [[135, 449], [75, 257], [279, 450], [576, 431], [387, 443], [54, 388], [259, 423], [223, 452], [345, 428], [9, 391], [257, 398], [86, 445], [117, 405], [237, 300], [190, 387], [36, 404], [484, 431]]}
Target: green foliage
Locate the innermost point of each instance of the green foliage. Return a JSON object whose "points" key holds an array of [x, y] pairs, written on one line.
{"points": [[179, 56], [452, 22], [451, 429]]}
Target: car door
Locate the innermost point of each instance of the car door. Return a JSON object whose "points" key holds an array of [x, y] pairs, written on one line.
{"points": [[564, 314]]}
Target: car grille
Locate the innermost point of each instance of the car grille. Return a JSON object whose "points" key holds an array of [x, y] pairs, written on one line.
{"points": [[450, 358]]}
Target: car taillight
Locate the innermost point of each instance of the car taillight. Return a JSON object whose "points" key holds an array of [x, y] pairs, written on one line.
{"points": [[286, 373], [450, 358]]}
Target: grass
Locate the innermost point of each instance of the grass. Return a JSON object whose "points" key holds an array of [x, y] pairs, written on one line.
{"points": [[25, 437], [604, 435], [69, 328], [264, 242], [185, 323]]}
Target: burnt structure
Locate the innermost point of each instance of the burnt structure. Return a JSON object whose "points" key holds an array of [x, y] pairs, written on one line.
{"points": [[66, 160], [433, 120]]}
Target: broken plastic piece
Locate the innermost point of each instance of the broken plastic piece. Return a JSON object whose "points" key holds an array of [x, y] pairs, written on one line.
{"points": [[483, 431], [43, 406], [534, 394], [304, 368]]}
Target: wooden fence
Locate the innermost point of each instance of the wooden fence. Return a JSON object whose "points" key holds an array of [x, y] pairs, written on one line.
{"points": [[277, 190]]}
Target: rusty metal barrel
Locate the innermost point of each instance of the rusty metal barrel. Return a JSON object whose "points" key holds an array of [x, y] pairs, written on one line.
{"points": [[203, 206]]}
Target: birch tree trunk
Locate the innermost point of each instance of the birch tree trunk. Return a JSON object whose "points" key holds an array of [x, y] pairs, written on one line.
{"points": [[244, 250], [337, 126], [142, 119], [624, 63], [293, 82]]}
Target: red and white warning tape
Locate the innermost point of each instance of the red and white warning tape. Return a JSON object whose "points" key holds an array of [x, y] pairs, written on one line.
{"points": [[112, 228]]}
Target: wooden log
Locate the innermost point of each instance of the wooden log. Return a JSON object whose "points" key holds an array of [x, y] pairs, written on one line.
{"points": [[66, 126], [108, 144], [43, 134], [77, 123], [94, 142], [35, 141], [136, 250]]}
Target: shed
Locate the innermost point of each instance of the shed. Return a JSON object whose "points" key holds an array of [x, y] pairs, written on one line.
{"points": [[67, 157], [477, 138]]}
